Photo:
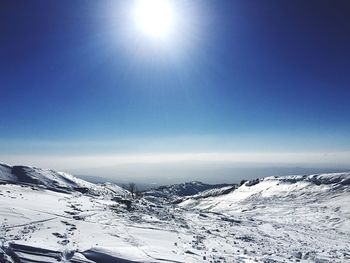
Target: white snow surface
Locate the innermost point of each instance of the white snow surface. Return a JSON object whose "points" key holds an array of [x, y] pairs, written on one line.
{"points": [[275, 219]]}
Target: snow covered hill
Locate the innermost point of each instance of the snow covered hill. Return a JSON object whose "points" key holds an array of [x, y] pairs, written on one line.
{"points": [[44, 218], [177, 192], [306, 215], [217, 191], [270, 189], [53, 180]]}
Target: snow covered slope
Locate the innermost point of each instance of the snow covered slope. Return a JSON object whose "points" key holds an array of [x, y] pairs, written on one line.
{"points": [[6, 173], [178, 191], [306, 215], [272, 220], [275, 189], [214, 192], [53, 180]]}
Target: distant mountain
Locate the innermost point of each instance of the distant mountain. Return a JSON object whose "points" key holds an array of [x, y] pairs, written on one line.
{"points": [[214, 192], [179, 191]]}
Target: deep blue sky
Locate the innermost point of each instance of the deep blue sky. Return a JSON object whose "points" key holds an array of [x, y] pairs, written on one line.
{"points": [[245, 75]]}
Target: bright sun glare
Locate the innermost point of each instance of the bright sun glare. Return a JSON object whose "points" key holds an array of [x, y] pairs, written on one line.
{"points": [[155, 18]]}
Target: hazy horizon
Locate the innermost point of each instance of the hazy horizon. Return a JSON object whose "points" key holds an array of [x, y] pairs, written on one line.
{"points": [[160, 169]]}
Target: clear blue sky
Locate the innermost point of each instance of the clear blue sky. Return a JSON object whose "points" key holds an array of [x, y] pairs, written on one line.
{"points": [[239, 76]]}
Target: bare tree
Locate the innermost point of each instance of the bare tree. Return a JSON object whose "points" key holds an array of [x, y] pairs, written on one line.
{"points": [[132, 189]]}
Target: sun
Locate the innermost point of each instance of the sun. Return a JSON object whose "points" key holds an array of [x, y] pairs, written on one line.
{"points": [[154, 18]]}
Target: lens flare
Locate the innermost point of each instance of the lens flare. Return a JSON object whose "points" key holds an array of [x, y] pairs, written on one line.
{"points": [[154, 18]]}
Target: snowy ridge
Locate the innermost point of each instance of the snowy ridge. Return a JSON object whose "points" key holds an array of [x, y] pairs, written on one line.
{"points": [[53, 180], [282, 188], [177, 192], [213, 192], [318, 179]]}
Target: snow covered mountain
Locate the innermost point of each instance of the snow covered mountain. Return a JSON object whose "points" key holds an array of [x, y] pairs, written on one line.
{"points": [[53, 180], [177, 192], [288, 188], [213, 192], [45, 216]]}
